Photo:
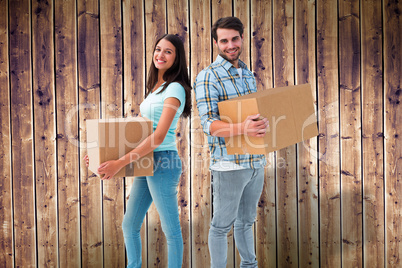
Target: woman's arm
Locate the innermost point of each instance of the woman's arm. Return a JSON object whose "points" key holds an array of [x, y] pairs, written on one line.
{"points": [[170, 107]]}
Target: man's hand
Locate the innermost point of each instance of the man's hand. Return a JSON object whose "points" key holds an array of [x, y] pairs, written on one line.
{"points": [[255, 126]]}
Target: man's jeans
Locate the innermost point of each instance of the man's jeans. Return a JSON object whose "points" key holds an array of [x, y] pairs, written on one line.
{"points": [[161, 188], [235, 197]]}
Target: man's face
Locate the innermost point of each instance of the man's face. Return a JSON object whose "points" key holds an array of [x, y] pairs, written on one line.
{"points": [[229, 44]]}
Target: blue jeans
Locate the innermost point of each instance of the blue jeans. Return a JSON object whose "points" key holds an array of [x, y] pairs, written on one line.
{"points": [[161, 188], [235, 198]]}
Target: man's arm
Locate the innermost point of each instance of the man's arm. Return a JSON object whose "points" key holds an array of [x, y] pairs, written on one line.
{"points": [[207, 97], [253, 126]]}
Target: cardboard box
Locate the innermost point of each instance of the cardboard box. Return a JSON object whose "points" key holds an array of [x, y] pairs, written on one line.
{"points": [[290, 111], [110, 139]]}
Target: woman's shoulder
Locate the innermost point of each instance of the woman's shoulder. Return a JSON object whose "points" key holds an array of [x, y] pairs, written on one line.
{"points": [[174, 89], [175, 86]]}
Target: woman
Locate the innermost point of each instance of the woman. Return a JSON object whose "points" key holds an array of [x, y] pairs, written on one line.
{"points": [[168, 97]]}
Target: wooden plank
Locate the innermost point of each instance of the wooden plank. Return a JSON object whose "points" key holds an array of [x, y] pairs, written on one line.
{"points": [[261, 44], [22, 134], [328, 139], [45, 134], [177, 14], [67, 134], [134, 60], [351, 187], [222, 9], [241, 9], [201, 210], [372, 132], [112, 107], [305, 68], [261, 58], [155, 26], [89, 97], [392, 25], [286, 158], [134, 80], [6, 209]]}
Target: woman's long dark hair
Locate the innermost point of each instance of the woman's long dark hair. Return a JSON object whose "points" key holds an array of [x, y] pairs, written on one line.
{"points": [[177, 73]]}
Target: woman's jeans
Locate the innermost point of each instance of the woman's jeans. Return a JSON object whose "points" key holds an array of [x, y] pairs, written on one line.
{"points": [[161, 188], [235, 197]]}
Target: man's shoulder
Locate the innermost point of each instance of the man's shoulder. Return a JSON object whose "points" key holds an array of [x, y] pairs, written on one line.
{"points": [[214, 65], [207, 71]]}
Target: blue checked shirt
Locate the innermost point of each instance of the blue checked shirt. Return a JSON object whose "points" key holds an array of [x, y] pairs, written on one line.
{"points": [[218, 82]]}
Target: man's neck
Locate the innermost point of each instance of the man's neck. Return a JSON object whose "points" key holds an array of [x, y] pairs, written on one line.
{"points": [[235, 63]]}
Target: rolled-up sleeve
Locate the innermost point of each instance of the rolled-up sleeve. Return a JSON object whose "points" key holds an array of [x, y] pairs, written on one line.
{"points": [[207, 97]]}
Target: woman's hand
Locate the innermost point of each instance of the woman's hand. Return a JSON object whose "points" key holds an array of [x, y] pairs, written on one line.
{"points": [[86, 159], [109, 169]]}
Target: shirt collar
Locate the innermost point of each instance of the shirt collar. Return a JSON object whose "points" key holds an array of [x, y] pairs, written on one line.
{"points": [[226, 64]]}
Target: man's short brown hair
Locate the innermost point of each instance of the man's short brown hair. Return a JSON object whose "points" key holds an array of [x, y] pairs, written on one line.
{"points": [[233, 23]]}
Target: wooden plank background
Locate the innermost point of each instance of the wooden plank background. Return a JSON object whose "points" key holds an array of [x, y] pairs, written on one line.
{"points": [[68, 164], [328, 139], [331, 201]]}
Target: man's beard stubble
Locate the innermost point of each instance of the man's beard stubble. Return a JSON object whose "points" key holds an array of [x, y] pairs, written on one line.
{"points": [[223, 55]]}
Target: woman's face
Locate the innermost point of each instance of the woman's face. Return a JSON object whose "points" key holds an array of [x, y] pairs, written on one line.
{"points": [[164, 55]]}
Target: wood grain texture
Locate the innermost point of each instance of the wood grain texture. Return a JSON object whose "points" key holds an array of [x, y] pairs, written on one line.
{"points": [[349, 79], [392, 25], [22, 134], [60, 60], [286, 172], [134, 80], [134, 60], [89, 100], [6, 216], [372, 134], [328, 139], [45, 134], [201, 210], [112, 107], [67, 134], [241, 10], [178, 24], [219, 9], [155, 27], [305, 69], [261, 65]]}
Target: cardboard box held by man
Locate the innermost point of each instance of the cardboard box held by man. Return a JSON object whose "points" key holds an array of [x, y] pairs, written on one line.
{"points": [[290, 111]]}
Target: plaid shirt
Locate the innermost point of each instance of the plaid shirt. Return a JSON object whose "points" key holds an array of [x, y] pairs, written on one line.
{"points": [[218, 82]]}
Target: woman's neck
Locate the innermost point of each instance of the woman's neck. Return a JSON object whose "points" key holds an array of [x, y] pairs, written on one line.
{"points": [[158, 84]]}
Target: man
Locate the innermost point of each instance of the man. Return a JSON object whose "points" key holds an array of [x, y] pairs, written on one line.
{"points": [[237, 180]]}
